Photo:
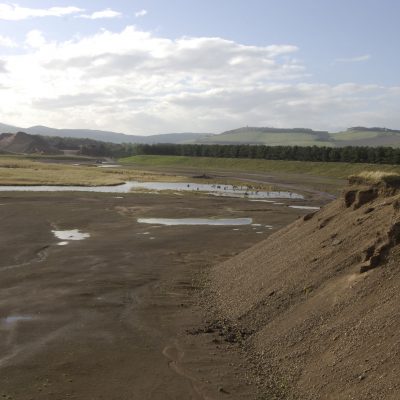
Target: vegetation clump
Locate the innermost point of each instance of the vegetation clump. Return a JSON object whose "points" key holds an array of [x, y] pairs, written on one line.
{"points": [[376, 178]]}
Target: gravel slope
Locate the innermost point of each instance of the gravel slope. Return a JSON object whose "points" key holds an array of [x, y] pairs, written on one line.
{"points": [[321, 299]]}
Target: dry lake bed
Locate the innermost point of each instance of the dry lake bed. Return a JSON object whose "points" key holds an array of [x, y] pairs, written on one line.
{"points": [[100, 291]]}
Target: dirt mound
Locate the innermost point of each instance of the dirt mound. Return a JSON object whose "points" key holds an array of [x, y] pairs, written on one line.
{"points": [[26, 144], [322, 298]]}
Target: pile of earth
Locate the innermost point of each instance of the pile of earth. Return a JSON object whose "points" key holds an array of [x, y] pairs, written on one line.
{"points": [[320, 300], [22, 143]]}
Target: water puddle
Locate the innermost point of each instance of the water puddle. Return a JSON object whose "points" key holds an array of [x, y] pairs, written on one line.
{"points": [[73, 234], [14, 319], [196, 221], [305, 207], [215, 189]]}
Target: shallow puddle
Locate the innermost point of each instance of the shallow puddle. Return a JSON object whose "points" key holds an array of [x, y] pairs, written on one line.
{"points": [[14, 319], [305, 207], [215, 189], [73, 234], [196, 221]]}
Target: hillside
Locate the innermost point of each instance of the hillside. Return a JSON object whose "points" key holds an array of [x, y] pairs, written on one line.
{"points": [[105, 136], [21, 142], [317, 302], [361, 136], [355, 136], [271, 137]]}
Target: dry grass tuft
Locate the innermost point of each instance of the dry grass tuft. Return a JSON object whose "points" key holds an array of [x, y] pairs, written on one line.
{"points": [[375, 177]]}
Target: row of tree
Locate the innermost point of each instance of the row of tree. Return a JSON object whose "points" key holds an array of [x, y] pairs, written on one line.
{"points": [[352, 154]]}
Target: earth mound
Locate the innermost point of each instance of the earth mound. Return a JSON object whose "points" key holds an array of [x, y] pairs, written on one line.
{"points": [[23, 143], [321, 298]]}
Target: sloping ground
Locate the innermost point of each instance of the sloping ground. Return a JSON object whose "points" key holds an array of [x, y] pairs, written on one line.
{"points": [[367, 137], [21, 142], [322, 300], [271, 137]]}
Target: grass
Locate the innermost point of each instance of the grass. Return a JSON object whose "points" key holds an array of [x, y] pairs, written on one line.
{"points": [[270, 138], [22, 171], [330, 170], [376, 177]]}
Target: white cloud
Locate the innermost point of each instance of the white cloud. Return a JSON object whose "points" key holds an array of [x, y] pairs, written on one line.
{"points": [[140, 13], [35, 39], [108, 13], [7, 42], [362, 58], [13, 12], [135, 82]]}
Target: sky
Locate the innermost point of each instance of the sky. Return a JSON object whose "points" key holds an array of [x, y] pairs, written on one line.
{"points": [[158, 66]]}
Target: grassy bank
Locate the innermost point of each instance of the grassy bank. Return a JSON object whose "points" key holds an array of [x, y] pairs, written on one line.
{"points": [[331, 170], [22, 171]]}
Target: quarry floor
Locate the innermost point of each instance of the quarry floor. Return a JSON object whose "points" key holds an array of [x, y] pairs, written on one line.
{"points": [[111, 316]]}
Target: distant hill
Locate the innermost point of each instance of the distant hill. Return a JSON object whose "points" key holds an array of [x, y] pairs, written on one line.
{"points": [[106, 136], [271, 137], [355, 136], [21, 142], [362, 136]]}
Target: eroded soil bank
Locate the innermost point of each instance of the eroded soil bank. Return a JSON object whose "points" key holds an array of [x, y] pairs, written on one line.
{"points": [[116, 315], [320, 300]]}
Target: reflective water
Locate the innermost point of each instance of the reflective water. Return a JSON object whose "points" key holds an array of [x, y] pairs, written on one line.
{"points": [[216, 189], [305, 207], [13, 319], [73, 234], [196, 221]]}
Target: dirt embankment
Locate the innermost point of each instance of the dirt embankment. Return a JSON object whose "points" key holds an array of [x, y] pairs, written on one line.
{"points": [[321, 300]]}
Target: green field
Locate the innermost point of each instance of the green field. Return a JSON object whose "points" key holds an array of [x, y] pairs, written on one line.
{"points": [[268, 138], [296, 137], [331, 170]]}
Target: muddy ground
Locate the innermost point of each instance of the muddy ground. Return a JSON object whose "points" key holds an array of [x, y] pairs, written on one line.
{"points": [[113, 316]]}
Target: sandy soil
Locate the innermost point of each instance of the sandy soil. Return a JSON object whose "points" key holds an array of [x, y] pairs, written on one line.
{"points": [[320, 300], [117, 315]]}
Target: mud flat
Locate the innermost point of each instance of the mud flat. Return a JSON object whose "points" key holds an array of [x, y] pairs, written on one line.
{"points": [[115, 311]]}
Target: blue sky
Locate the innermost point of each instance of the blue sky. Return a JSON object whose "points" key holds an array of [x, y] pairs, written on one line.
{"points": [[161, 66]]}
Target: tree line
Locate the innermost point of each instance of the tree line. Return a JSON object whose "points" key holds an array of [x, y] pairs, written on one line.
{"points": [[351, 154]]}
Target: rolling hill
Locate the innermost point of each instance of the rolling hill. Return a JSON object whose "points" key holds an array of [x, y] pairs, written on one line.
{"points": [[271, 137], [20, 142], [356, 136], [106, 136]]}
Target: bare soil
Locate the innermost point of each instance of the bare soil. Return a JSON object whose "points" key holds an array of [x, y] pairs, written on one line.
{"points": [[119, 315], [319, 301]]}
